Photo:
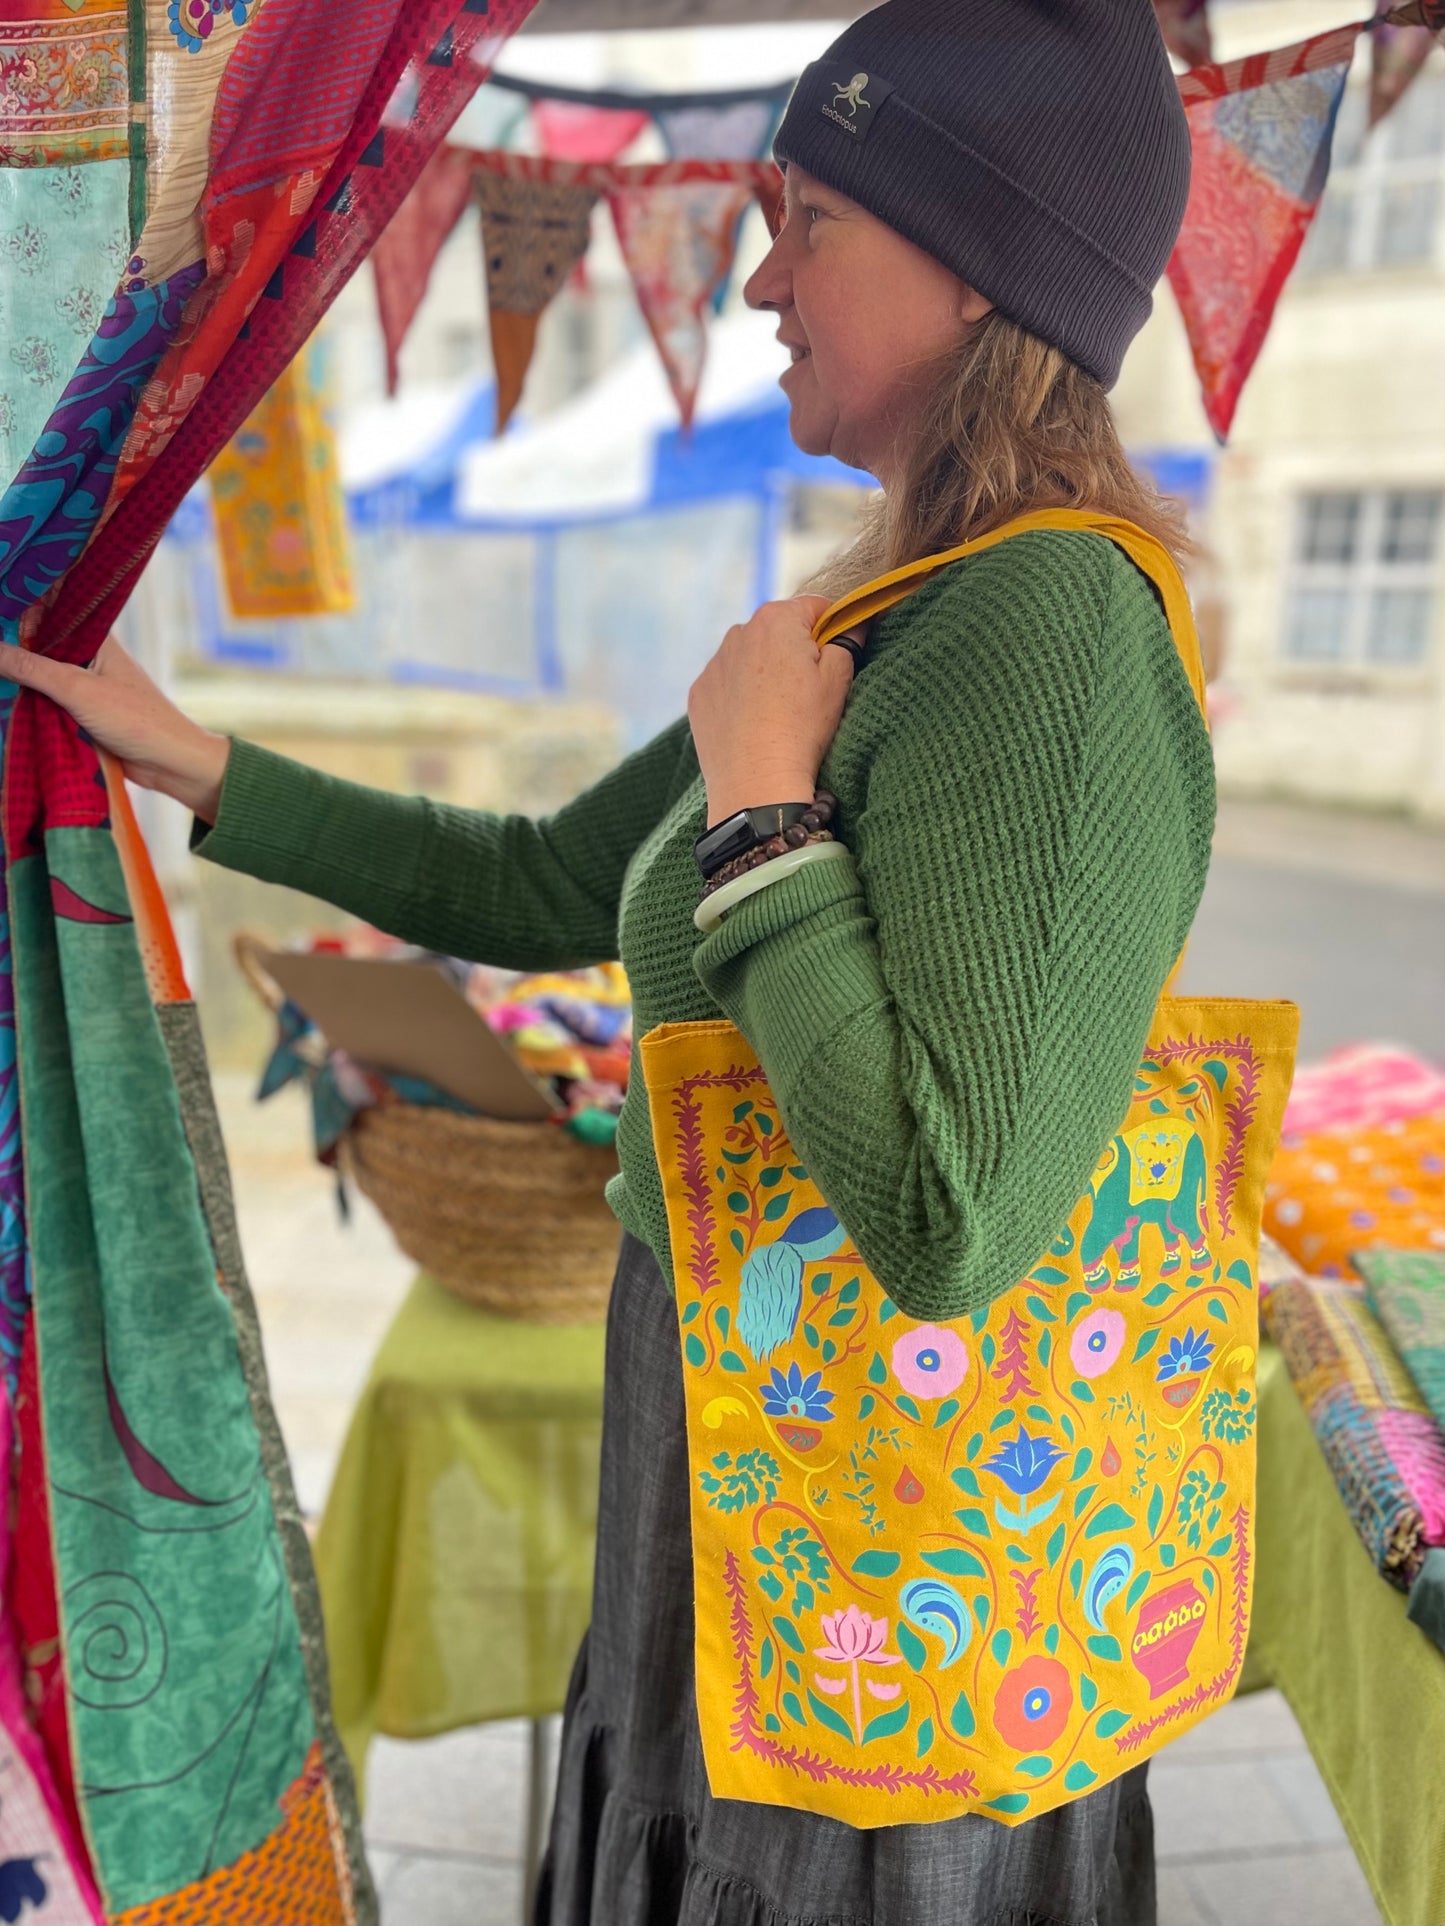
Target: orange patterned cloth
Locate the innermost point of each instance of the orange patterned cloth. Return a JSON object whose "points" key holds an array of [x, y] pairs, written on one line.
{"points": [[1333, 1192]]}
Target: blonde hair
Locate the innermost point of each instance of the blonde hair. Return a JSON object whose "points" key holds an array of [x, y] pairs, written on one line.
{"points": [[1010, 425]]}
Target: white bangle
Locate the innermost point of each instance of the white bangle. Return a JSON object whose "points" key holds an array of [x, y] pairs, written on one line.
{"points": [[712, 909]]}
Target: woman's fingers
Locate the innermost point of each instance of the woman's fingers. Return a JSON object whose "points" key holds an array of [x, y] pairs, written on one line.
{"points": [[61, 681]]}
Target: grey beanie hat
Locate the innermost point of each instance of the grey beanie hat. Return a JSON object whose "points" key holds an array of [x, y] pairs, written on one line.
{"points": [[1039, 148]]}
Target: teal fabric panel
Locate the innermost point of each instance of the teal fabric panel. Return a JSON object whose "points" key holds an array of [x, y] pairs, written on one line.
{"points": [[1426, 1604], [191, 1714], [64, 241], [1407, 1294]]}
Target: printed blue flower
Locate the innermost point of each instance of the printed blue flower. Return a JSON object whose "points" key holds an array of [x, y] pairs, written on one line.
{"points": [[795, 1396], [1184, 1356], [1023, 1463]]}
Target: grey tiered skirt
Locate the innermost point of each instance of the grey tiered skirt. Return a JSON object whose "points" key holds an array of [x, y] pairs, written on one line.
{"points": [[637, 1838]]}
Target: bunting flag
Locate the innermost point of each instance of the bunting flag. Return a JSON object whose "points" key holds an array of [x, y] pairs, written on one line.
{"points": [[167, 1756], [569, 131], [535, 229], [1185, 26], [276, 493], [679, 244], [1396, 55], [741, 130], [403, 258], [1261, 131]]}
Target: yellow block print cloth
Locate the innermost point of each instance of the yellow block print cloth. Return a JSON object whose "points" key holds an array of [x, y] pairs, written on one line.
{"points": [[985, 1565], [280, 512]]}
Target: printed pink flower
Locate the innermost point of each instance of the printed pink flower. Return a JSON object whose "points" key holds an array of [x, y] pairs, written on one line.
{"points": [[1097, 1342], [930, 1361], [854, 1635]]}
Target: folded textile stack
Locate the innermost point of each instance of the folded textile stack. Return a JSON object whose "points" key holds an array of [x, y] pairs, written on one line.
{"points": [[1361, 1162], [1383, 1445]]}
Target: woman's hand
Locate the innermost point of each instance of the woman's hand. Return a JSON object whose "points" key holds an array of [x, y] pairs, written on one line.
{"points": [[765, 709], [118, 705]]}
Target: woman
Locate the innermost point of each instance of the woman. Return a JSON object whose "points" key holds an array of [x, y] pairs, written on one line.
{"points": [[980, 196]]}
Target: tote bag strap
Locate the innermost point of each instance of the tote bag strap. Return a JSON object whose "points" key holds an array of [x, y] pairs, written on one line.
{"points": [[1147, 555]]}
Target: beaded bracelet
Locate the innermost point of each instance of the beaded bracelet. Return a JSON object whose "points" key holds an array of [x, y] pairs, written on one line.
{"points": [[812, 827], [710, 912]]}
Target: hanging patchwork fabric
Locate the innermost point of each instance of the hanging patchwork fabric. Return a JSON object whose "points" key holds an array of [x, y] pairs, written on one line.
{"points": [[990, 1564]]}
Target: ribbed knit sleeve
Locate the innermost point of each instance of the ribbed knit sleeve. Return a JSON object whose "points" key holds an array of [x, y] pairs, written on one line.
{"points": [[951, 1022], [507, 890]]}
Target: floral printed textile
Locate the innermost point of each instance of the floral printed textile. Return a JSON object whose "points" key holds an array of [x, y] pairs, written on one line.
{"points": [[1334, 1192], [1362, 1086], [1014, 1608]]}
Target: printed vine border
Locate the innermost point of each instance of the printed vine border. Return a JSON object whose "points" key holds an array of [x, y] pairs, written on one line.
{"points": [[701, 1223]]}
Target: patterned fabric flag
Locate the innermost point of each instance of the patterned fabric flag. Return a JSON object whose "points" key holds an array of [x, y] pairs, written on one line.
{"points": [[1185, 26], [1407, 1294], [166, 1751], [276, 493], [566, 130], [534, 232], [1261, 131], [404, 257], [1379, 1439], [1396, 55], [679, 243], [742, 130]]}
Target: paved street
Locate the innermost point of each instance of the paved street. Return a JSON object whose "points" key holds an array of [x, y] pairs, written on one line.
{"points": [[1346, 914]]}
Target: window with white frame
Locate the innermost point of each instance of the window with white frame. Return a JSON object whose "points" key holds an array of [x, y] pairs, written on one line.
{"points": [[1385, 199], [1365, 574]]}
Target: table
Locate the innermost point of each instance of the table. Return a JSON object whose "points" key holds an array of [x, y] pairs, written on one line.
{"points": [[455, 1555], [1367, 1686]]}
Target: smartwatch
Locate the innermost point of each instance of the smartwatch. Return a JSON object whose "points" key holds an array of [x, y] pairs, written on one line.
{"points": [[735, 835]]}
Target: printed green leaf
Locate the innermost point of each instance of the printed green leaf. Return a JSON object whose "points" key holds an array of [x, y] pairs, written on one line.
{"points": [[1046, 1345], [1001, 1645], [982, 1606], [798, 1171], [1160, 1294], [1010, 1802], [830, 1350], [1156, 1509], [957, 1562], [1216, 1309], [1004, 1420], [1066, 1425], [911, 1646], [961, 1717], [1082, 1498], [1082, 1461], [925, 1737], [744, 1109], [966, 1481], [841, 1317], [1206, 1577], [977, 1320], [1079, 1775], [972, 1519], [1078, 1389], [1041, 1310], [1055, 1545], [765, 1124], [1051, 1641], [1078, 1301], [787, 1635], [692, 1310], [1035, 1767], [887, 1723], [877, 1370], [821, 1283], [735, 1238], [765, 1658], [1137, 1590], [1241, 1274], [739, 1157], [694, 1350], [737, 1202], [772, 1723], [975, 1445], [1104, 1647], [790, 1666], [1108, 1723], [762, 1555], [1049, 1273], [947, 1410], [771, 1177], [776, 1207], [909, 1408], [722, 1317], [849, 1292], [1158, 1106], [1221, 1545], [1088, 1692], [886, 1310], [1076, 1576], [730, 1361], [1147, 1341], [1110, 1518], [988, 1351], [1166, 1555], [1018, 1555], [825, 1715], [793, 1709], [1040, 1414], [877, 1564], [865, 1405]]}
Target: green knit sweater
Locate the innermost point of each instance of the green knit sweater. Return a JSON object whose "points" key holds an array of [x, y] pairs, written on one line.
{"points": [[950, 1020]]}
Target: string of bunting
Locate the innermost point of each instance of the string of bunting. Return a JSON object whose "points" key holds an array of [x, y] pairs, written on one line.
{"points": [[1261, 129]]}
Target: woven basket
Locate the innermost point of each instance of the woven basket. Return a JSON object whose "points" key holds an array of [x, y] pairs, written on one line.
{"points": [[509, 1216]]}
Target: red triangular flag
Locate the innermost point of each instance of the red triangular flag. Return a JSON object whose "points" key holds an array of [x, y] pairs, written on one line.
{"points": [[403, 258]]}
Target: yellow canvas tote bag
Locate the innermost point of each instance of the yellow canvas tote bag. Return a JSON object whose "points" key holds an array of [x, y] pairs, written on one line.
{"points": [[990, 1564]]}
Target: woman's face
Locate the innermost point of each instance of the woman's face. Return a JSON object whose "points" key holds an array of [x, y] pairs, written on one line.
{"points": [[864, 314]]}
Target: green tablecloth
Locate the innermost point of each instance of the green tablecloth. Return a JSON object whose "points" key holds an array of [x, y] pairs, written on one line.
{"points": [[1367, 1686], [455, 1556], [455, 1562]]}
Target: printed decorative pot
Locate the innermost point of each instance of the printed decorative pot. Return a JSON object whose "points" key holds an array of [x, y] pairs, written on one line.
{"points": [[1164, 1635]]}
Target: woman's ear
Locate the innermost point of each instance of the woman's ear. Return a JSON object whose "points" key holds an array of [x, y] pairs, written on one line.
{"points": [[974, 306]]}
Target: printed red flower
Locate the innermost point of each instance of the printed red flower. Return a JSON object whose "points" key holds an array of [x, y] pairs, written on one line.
{"points": [[1033, 1704]]}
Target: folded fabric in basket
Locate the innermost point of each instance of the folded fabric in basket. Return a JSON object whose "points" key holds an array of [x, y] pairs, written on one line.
{"points": [[1362, 1086], [1332, 1193], [1407, 1294], [1385, 1450]]}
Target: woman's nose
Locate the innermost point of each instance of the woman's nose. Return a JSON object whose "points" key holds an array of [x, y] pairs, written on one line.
{"points": [[770, 284]]}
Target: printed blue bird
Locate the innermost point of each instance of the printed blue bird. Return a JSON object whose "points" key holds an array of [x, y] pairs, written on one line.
{"points": [[771, 1293]]}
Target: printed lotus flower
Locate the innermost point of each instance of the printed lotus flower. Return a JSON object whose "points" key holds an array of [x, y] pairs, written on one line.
{"points": [[1032, 1705], [791, 1395], [855, 1636], [930, 1361], [1183, 1356], [1023, 1463], [1097, 1342]]}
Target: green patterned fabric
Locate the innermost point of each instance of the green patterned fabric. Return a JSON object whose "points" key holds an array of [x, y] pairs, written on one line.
{"points": [[1407, 1293]]}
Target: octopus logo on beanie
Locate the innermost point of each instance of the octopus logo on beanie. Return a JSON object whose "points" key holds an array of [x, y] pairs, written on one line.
{"points": [[855, 102]]}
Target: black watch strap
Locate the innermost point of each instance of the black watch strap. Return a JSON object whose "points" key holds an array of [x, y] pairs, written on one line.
{"points": [[735, 835]]}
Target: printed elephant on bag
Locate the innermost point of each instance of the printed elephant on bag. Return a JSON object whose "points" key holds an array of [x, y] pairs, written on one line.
{"points": [[1154, 1174]]}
